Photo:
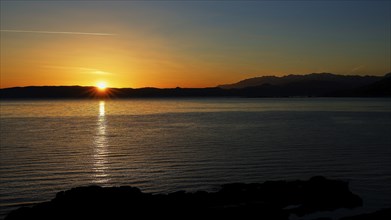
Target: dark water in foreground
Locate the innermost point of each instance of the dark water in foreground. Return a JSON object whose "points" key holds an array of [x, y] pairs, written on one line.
{"points": [[192, 144]]}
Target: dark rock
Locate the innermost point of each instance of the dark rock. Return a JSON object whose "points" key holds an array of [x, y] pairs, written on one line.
{"points": [[322, 218], [238, 200], [384, 214]]}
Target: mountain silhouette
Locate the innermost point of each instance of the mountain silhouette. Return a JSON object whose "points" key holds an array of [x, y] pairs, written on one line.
{"points": [[380, 88], [311, 85], [350, 81]]}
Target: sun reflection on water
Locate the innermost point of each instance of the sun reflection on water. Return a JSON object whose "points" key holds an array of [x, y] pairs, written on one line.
{"points": [[101, 110], [100, 167]]}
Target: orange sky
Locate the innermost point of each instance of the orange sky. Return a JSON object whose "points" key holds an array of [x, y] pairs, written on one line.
{"points": [[43, 59], [194, 44]]}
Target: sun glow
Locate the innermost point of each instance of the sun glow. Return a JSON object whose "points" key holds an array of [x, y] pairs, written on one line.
{"points": [[101, 86]]}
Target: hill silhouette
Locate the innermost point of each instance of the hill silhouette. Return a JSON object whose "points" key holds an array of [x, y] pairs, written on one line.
{"points": [[380, 88], [311, 85], [347, 81], [314, 85]]}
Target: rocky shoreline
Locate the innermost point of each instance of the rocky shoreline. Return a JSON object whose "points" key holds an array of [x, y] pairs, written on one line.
{"points": [[275, 200]]}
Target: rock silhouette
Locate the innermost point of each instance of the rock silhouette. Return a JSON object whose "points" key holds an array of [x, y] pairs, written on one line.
{"points": [[269, 200], [384, 214]]}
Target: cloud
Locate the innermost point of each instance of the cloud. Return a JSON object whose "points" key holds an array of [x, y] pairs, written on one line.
{"points": [[356, 68], [59, 32], [82, 70]]}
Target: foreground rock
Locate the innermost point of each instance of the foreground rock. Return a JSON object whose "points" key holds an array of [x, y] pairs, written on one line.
{"points": [[384, 214], [270, 200]]}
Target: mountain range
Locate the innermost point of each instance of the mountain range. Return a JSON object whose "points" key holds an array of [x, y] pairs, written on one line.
{"points": [[310, 85], [314, 84], [313, 77]]}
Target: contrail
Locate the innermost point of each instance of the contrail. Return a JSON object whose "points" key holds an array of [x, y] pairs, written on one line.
{"points": [[58, 32]]}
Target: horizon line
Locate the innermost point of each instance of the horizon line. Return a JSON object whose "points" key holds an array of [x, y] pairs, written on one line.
{"points": [[178, 86]]}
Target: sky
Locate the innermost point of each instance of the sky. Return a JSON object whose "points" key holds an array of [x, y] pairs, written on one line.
{"points": [[169, 44]]}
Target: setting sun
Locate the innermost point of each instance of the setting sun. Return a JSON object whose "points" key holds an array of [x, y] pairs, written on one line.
{"points": [[101, 86]]}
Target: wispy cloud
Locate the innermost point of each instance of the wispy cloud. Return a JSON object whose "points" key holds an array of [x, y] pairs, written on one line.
{"points": [[82, 70], [356, 68], [59, 32]]}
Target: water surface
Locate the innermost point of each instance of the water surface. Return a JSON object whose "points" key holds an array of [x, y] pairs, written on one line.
{"points": [[165, 145]]}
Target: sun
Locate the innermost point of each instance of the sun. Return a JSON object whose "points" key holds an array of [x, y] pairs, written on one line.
{"points": [[102, 86], [101, 90]]}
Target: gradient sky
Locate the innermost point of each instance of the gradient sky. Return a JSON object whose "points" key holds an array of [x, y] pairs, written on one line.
{"points": [[189, 44]]}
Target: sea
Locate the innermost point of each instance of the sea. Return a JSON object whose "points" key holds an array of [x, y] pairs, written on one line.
{"points": [[166, 145]]}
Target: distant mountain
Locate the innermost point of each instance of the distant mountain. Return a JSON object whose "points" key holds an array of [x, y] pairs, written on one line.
{"points": [[46, 92], [350, 81], [380, 88], [78, 92], [312, 85]]}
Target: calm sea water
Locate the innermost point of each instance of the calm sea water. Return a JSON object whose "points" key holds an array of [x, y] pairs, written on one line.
{"points": [[167, 145]]}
